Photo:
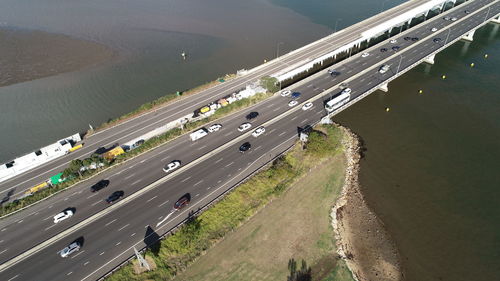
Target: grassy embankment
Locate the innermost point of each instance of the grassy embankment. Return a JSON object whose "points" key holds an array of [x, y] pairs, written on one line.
{"points": [[161, 101], [258, 245], [150, 144]]}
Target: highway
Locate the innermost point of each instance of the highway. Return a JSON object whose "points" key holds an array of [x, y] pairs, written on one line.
{"points": [[136, 127], [116, 232]]}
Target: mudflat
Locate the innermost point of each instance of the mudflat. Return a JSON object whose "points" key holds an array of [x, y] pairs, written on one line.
{"points": [[28, 55]]}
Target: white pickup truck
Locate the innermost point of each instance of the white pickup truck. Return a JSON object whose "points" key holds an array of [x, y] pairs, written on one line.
{"points": [[198, 134]]}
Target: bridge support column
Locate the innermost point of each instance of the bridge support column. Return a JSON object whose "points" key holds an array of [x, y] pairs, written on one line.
{"points": [[326, 120], [384, 88], [469, 36], [496, 19], [430, 59]]}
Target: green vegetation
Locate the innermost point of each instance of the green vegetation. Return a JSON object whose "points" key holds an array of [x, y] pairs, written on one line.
{"points": [[73, 171], [270, 83], [245, 245]]}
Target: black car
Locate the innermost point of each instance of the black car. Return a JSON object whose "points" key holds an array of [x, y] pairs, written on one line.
{"points": [[383, 50], [407, 38], [333, 72], [252, 115], [395, 48], [245, 146], [466, 11], [183, 201], [115, 196], [414, 39], [436, 40], [99, 185]]}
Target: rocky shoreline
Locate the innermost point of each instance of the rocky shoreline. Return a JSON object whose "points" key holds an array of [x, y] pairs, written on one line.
{"points": [[362, 241]]}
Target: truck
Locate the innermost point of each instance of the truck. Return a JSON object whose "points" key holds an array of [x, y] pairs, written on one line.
{"points": [[110, 155], [198, 134]]}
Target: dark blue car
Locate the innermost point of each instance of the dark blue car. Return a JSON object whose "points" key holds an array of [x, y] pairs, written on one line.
{"points": [[295, 95]]}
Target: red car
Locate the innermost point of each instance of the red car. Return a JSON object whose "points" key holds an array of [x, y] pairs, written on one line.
{"points": [[182, 202]]}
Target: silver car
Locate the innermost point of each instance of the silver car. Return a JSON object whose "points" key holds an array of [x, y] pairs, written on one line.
{"points": [[73, 247]]}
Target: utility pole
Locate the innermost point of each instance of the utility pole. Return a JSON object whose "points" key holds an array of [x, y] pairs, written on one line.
{"points": [[142, 261], [447, 36]]}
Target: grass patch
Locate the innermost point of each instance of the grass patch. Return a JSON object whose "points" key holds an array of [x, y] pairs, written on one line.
{"points": [[260, 248]]}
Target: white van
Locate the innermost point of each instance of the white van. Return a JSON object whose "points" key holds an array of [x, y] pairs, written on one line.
{"points": [[198, 134]]}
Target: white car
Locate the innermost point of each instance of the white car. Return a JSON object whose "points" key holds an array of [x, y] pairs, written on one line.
{"points": [[214, 128], [293, 103], [245, 126], [259, 131], [453, 19], [384, 68], [307, 106], [63, 215], [73, 247], [393, 41], [346, 91], [171, 166], [285, 93], [364, 55], [434, 29]]}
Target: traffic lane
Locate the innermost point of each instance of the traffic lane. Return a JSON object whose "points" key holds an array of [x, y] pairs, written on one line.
{"points": [[134, 179], [233, 153], [342, 39]]}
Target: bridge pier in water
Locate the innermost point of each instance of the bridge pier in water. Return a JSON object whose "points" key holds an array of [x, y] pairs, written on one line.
{"points": [[469, 36], [430, 59], [384, 87]]}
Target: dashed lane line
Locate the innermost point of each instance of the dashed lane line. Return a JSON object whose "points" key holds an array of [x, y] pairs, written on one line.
{"points": [[121, 228], [152, 198], [110, 222]]}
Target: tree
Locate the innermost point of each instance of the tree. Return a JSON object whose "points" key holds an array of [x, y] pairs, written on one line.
{"points": [[303, 274], [270, 83], [75, 166]]}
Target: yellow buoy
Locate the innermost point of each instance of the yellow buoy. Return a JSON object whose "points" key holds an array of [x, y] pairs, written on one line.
{"points": [[387, 109], [444, 77], [485, 56], [472, 64], [420, 91]]}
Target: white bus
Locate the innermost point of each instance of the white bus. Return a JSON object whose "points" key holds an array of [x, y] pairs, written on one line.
{"points": [[337, 101]]}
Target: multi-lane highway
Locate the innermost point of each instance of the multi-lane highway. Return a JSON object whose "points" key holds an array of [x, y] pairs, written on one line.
{"points": [[107, 240], [138, 126]]}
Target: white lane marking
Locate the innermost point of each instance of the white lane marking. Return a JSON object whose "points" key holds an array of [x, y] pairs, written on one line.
{"points": [[93, 204], [121, 228], [272, 131], [202, 147], [258, 147], [76, 255], [350, 70], [19, 221], [152, 198], [47, 228], [66, 199], [305, 121], [46, 218], [3, 251], [92, 195], [13, 278], [132, 234], [362, 80], [136, 182], [1, 241], [50, 207], [165, 158], [110, 222], [377, 57], [208, 188], [128, 177], [219, 181], [295, 117], [229, 164], [269, 106], [87, 262], [364, 63], [309, 86], [197, 195], [227, 134], [198, 183], [69, 273], [276, 109], [282, 134], [186, 179], [160, 218], [229, 175], [143, 161], [118, 243], [319, 112], [163, 203], [370, 82], [192, 144], [101, 254], [218, 160]]}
